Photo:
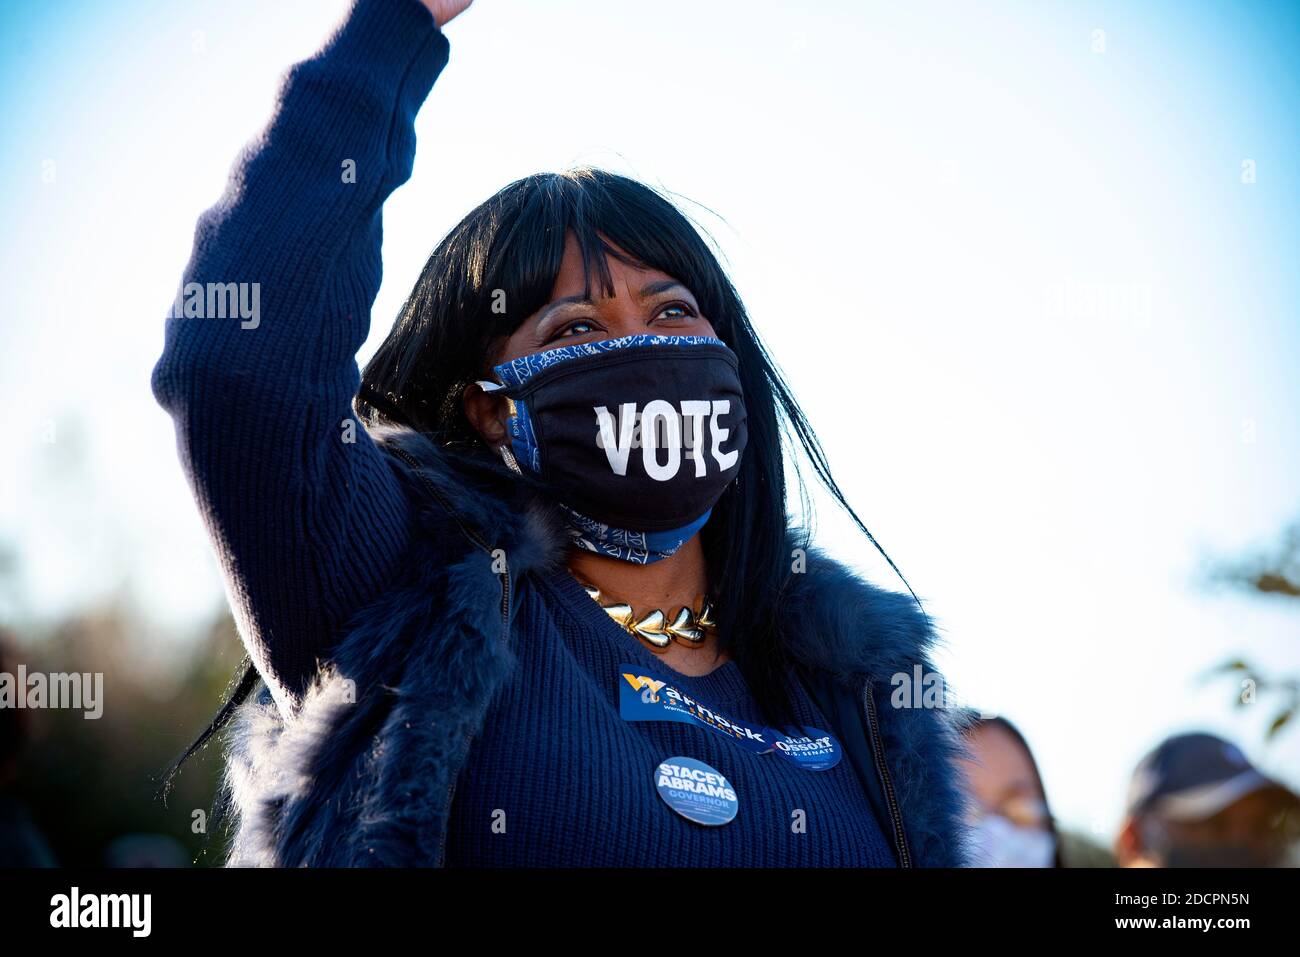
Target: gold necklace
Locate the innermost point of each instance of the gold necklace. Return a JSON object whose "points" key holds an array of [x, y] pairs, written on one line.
{"points": [[689, 628]]}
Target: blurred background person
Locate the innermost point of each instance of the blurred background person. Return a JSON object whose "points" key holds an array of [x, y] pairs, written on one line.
{"points": [[1013, 825], [1196, 801]]}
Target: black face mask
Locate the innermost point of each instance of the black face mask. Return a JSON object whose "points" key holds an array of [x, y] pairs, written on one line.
{"points": [[642, 434]]}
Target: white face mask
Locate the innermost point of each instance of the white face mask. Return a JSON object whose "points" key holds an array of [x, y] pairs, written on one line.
{"points": [[996, 842]]}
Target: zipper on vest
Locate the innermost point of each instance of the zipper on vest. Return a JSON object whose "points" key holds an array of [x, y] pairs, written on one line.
{"points": [[472, 534], [900, 837]]}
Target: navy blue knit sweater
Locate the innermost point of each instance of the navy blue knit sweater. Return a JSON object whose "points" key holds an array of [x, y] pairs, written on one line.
{"points": [[309, 527], [557, 776]]}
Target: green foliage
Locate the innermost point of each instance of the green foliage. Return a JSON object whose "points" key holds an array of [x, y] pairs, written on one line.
{"points": [[1274, 573]]}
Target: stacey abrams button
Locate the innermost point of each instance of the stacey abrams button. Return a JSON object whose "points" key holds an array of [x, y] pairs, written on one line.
{"points": [[696, 791]]}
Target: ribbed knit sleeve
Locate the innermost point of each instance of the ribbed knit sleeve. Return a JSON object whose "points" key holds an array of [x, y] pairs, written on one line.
{"points": [[306, 516]]}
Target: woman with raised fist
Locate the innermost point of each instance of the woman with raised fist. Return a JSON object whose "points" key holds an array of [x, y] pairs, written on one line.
{"points": [[523, 591]]}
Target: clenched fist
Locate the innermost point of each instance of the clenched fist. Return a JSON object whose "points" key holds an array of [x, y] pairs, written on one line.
{"points": [[444, 11]]}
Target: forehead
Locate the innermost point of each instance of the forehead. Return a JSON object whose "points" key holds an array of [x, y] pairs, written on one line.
{"points": [[1001, 766]]}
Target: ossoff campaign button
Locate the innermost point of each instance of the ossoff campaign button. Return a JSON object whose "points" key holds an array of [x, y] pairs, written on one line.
{"points": [[815, 751], [696, 791]]}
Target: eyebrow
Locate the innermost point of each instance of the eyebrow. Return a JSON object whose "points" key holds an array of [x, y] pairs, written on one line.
{"points": [[648, 290]]}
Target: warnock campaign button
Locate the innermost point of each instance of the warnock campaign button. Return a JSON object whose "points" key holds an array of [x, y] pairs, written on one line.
{"points": [[644, 697], [814, 750], [696, 791]]}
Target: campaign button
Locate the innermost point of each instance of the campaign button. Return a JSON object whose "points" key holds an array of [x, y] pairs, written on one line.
{"points": [[815, 750], [696, 791]]}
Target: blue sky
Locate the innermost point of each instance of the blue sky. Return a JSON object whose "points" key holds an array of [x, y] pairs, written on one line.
{"points": [[1009, 264]]}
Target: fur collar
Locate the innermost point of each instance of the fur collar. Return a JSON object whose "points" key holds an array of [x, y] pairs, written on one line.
{"points": [[362, 772]]}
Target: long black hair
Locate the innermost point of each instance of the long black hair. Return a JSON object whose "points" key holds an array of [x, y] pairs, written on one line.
{"points": [[507, 252]]}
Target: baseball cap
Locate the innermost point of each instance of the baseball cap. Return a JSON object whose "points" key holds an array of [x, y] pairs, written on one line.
{"points": [[1191, 777]]}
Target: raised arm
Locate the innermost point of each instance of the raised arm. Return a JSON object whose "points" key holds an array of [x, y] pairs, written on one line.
{"points": [[307, 524]]}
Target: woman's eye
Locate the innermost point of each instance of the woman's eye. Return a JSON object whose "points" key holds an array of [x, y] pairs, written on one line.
{"points": [[577, 328], [681, 311]]}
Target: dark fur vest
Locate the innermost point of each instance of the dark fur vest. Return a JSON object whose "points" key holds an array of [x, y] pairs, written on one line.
{"points": [[362, 773]]}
